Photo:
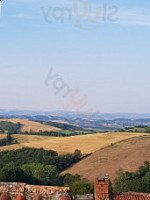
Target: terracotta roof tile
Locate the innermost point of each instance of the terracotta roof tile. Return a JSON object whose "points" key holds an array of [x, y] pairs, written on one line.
{"points": [[5, 196]]}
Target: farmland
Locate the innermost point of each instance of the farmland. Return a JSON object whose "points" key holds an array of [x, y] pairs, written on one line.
{"points": [[85, 143]]}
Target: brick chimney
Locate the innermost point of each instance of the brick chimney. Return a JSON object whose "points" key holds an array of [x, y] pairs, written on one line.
{"points": [[102, 187]]}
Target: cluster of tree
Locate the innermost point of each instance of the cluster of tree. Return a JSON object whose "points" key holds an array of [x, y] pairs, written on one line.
{"points": [[9, 127], [40, 174], [7, 141], [41, 167], [31, 173], [137, 182], [136, 129], [32, 155]]}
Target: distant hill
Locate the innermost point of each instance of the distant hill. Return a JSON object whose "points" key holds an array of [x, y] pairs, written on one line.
{"points": [[128, 154], [48, 128], [99, 121], [74, 115]]}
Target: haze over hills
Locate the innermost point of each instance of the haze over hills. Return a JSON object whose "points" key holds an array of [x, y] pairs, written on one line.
{"points": [[72, 114], [100, 121]]}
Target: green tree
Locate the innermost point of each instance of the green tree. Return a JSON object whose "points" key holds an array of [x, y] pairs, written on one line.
{"points": [[80, 187], [43, 174], [137, 182], [77, 154], [12, 173], [146, 181]]}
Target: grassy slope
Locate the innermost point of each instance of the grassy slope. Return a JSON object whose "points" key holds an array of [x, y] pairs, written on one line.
{"points": [[30, 125], [128, 154], [86, 143]]}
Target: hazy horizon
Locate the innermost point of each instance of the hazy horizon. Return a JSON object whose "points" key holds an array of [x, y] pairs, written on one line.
{"points": [[48, 111]]}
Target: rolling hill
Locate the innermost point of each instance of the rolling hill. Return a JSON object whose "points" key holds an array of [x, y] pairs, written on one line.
{"points": [[128, 154], [85, 143], [28, 125]]}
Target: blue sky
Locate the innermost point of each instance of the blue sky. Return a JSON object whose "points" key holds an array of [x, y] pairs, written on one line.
{"points": [[107, 60]]}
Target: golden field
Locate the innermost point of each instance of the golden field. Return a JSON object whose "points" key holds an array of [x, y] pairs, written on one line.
{"points": [[85, 143], [128, 154], [28, 125]]}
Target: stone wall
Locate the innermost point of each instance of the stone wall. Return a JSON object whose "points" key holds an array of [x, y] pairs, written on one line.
{"points": [[29, 192]]}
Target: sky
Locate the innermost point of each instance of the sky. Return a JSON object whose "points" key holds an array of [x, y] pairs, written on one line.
{"points": [[89, 56]]}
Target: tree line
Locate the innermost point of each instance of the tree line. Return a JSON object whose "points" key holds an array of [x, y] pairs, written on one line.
{"points": [[50, 133], [56, 133], [136, 129]]}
